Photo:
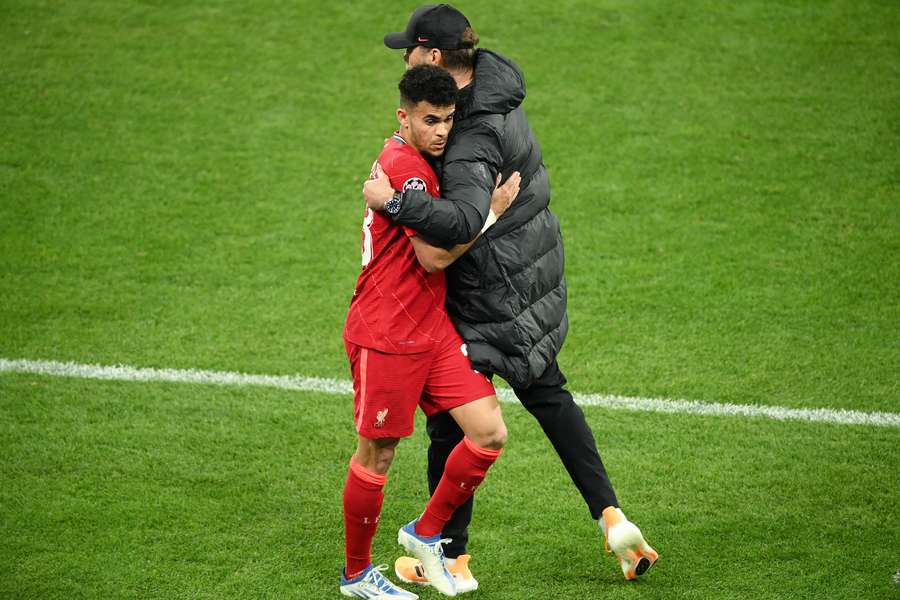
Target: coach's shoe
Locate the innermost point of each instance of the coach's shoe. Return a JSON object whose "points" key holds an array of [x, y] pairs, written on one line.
{"points": [[430, 552], [410, 570], [373, 585], [625, 540]]}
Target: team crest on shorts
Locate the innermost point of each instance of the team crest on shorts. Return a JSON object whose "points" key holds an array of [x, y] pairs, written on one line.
{"points": [[414, 183], [380, 416]]}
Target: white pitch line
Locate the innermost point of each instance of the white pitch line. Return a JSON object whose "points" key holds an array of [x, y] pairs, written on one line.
{"points": [[336, 386]]}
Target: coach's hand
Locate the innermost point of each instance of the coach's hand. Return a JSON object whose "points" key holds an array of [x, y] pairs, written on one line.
{"points": [[504, 194], [378, 190]]}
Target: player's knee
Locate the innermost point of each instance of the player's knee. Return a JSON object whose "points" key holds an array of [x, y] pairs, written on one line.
{"points": [[376, 455], [493, 438], [500, 437], [383, 458]]}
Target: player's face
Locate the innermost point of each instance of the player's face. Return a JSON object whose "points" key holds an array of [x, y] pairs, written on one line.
{"points": [[426, 127]]}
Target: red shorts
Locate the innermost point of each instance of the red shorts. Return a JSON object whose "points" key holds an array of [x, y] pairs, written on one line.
{"points": [[388, 387]]}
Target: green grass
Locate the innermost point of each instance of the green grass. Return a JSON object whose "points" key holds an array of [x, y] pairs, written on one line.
{"points": [[176, 491], [179, 187]]}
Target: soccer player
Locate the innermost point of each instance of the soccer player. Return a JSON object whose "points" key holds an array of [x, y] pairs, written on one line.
{"points": [[507, 294], [404, 352]]}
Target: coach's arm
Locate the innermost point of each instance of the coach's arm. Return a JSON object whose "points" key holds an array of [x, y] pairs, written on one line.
{"points": [[469, 176], [433, 258]]}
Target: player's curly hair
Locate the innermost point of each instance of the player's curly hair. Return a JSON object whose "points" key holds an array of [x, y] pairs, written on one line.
{"points": [[429, 83]]}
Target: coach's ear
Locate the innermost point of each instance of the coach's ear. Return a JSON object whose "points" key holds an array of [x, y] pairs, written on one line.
{"points": [[434, 56]]}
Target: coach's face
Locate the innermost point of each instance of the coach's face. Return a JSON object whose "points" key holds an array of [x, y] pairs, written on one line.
{"points": [[426, 126]]}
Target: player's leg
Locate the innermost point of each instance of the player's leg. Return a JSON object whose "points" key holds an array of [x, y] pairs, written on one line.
{"points": [[363, 497], [444, 434], [385, 398], [565, 426], [467, 465], [453, 385], [465, 469]]}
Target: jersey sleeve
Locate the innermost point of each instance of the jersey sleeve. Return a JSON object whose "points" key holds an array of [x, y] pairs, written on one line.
{"points": [[406, 173]]}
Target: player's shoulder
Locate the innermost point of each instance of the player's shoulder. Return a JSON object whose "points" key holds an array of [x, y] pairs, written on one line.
{"points": [[406, 167], [398, 152]]}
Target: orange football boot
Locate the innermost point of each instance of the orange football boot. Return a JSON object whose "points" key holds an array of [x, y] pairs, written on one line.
{"points": [[625, 540]]}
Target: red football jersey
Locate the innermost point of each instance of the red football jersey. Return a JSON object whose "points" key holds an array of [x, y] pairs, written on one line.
{"points": [[397, 307]]}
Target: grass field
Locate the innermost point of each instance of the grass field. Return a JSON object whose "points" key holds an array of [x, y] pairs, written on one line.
{"points": [[179, 187]]}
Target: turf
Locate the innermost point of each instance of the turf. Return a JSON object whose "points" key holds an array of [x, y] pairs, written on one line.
{"points": [[176, 491], [179, 187]]}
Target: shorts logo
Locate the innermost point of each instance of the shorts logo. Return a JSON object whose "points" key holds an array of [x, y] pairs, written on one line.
{"points": [[414, 183], [380, 416], [464, 349]]}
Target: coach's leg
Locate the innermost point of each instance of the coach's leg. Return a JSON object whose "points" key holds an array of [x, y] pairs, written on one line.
{"points": [[565, 426], [445, 434]]}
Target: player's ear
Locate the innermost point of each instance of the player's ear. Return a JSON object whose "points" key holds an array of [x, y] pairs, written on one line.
{"points": [[403, 117], [435, 57]]}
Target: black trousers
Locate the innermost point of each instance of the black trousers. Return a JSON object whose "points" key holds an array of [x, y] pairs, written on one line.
{"points": [[565, 426]]}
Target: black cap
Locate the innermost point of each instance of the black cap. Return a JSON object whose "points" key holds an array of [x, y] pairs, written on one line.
{"points": [[433, 26]]}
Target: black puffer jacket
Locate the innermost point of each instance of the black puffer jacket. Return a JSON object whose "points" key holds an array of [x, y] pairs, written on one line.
{"points": [[507, 294]]}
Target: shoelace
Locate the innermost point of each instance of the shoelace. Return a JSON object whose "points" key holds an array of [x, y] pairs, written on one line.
{"points": [[379, 580], [437, 547]]}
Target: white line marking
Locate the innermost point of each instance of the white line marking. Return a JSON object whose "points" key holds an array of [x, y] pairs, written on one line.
{"points": [[335, 386]]}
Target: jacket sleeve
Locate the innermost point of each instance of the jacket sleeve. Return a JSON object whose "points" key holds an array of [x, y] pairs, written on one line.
{"points": [[467, 184]]}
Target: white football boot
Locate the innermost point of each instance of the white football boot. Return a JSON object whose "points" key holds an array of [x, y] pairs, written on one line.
{"points": [[371, 584], [410, 570], [430, 552]]}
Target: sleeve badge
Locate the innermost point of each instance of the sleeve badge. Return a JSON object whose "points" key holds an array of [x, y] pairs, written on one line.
{"points": [[414, 183]]}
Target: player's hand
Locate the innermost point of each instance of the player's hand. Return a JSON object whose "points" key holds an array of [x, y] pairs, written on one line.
{"points": [[378, 190], [504, 194]]}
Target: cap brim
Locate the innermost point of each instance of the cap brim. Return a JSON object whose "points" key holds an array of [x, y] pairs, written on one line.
{"points": [[398, 41]]}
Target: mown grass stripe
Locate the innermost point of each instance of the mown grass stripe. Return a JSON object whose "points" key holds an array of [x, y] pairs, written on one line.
{"points": [[336, 386]]}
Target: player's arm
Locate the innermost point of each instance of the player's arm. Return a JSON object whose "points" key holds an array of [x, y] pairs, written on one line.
{"points": [[467, 182], [433, 258]]}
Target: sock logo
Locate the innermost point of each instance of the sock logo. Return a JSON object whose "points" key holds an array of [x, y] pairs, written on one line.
{"points": [[380, 416]]}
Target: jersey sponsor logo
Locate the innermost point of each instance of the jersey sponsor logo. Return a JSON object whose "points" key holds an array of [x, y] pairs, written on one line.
{"points": [[380, 416], [414, 183]]}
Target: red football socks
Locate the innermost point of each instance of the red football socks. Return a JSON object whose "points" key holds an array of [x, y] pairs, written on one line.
{"points": [[363, 496], [465, 470]]}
